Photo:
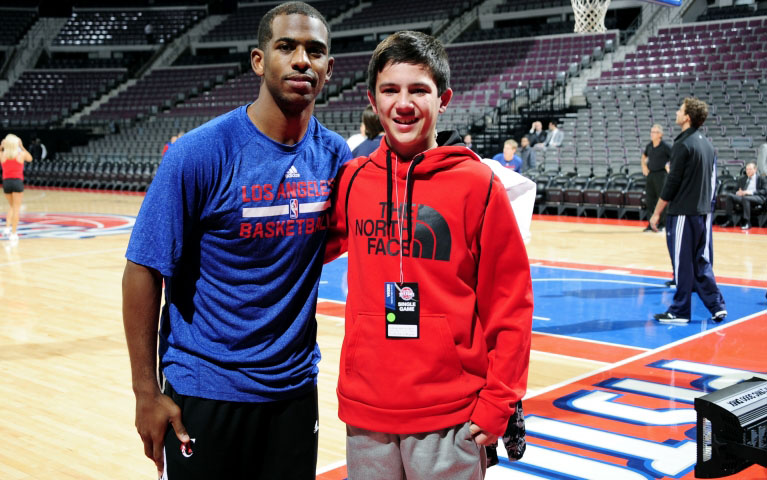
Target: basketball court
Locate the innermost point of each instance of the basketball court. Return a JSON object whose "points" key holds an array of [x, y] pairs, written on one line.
{"points": [[610, 390]]}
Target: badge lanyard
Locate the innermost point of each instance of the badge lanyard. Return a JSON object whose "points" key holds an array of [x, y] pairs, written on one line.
{"points": [[400, 216], [402, 305]]}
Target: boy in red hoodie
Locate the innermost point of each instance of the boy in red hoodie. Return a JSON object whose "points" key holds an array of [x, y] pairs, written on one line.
{"points": [[439, 311]]}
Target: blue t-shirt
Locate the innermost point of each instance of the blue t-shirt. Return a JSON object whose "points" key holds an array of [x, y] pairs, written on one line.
{"points": [[515, 163], [236, 224]]}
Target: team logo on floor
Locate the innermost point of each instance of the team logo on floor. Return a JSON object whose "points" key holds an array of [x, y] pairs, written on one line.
{"points": [[73, 225]]}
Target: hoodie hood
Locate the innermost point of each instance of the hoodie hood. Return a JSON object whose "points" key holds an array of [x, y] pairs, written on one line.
{"points": [[450, 150]]}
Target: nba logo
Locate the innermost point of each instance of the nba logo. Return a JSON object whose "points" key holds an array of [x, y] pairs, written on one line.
{"points": [[293, 208]]}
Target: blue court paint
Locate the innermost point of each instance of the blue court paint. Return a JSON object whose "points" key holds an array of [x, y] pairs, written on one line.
{"points": [[619, 308], [594, 305]]}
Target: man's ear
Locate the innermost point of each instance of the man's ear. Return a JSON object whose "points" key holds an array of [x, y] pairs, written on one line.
{"points": [[257, 61], [329, 73], [372, 100], [444, 99]]}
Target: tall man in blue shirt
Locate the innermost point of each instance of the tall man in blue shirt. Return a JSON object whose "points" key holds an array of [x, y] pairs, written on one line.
{"points": [[234, 224], [689, 192]]}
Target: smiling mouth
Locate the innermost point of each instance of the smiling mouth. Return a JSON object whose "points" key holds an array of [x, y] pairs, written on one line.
{"points": [[405, 122]]}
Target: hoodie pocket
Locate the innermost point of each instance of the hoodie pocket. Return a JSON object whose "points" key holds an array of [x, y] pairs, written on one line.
{"points": [[387, 362]]}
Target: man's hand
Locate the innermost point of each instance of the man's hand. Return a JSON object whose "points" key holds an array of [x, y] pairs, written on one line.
{"points": [[645, 170], [153, 414], [482, 437], [654, 221]]}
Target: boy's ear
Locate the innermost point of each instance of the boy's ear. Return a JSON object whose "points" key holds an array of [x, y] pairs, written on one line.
{"points": [[257, 61], [444, 99], [372, 100]]}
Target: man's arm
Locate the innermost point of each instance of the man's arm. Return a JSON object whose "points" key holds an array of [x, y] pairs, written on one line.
{"points": [[142, 290], [659, 207], [761, 190], [645, 168]]}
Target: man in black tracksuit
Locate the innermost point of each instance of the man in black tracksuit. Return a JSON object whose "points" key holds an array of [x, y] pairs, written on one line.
{"points": [[688, 191], [655, 167]]}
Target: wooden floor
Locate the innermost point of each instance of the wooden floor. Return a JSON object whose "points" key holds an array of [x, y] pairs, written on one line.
{"points": [[66, 406]]}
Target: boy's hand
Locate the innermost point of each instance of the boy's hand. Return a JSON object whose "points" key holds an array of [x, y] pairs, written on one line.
{"points": [[482, 437]]}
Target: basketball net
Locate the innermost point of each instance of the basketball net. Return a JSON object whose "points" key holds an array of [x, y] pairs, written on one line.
{"points": [[590, 15]]}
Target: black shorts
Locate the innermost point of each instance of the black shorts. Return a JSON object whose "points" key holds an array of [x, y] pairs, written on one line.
{"points": [[13, 185], [271, 440]]}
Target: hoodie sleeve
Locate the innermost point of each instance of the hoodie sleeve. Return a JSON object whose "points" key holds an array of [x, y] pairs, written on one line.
{"points": [[337, 239], [505, 307]]}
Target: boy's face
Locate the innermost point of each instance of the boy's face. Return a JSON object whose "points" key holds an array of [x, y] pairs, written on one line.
{"points": [[295, 64], [408, 104], [508, 152]]}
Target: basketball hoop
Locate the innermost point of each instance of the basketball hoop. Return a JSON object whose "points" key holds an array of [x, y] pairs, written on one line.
{"points": [[590, 15]]}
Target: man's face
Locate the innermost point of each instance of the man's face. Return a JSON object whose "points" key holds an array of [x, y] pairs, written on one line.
{"points": [[538, 126], [750, 170], [552, 127], [295, 64], [467, 140], [655, 134], [525, 142], [681, 116], [408, 104]]}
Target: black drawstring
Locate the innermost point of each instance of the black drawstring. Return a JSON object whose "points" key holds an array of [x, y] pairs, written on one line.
{"points": [[388, 192], [409, 201]]}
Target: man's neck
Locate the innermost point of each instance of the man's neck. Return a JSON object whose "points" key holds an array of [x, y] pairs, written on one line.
{"points": [[655, 143], [282, 127]]}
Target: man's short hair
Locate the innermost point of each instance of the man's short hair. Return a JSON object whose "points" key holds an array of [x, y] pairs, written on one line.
{"points": [[288, 8], [658, 127], [697, 110], [415, 48], [511, 142]]}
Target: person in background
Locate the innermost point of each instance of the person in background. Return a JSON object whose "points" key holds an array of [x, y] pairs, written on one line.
{"points": [[467, 141], [527, 155], [536, 135], [354, 140], [12, 158], [752, 190], [555, 136], [509, 158], [655, 166], [688, 193], [373, 134]]}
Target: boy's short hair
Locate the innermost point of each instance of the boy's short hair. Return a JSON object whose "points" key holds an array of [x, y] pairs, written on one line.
{"points": [[512, 143], [697, 110], [415, 48], [288, 8]]}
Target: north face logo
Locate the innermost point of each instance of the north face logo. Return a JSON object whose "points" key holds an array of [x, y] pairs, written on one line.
{"points": [[430, 240], [432, 235]]}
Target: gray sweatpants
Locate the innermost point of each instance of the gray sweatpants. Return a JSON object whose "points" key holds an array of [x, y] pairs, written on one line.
{"points": [[448, 454]]}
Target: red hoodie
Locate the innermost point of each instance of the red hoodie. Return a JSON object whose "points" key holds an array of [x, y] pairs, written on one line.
{"points": [[463, 248]]}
